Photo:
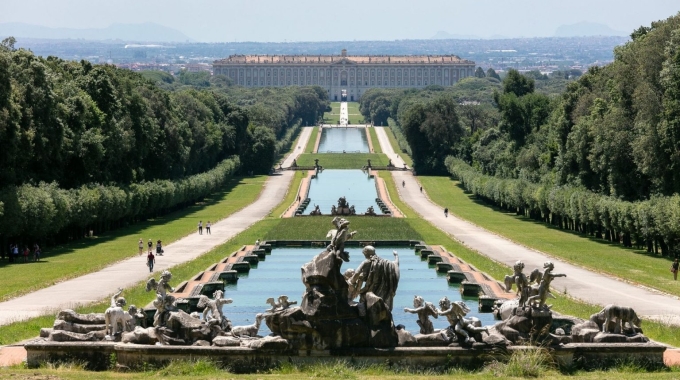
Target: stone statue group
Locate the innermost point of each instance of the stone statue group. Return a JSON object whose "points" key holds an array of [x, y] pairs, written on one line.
{"points": [[349, 309]]}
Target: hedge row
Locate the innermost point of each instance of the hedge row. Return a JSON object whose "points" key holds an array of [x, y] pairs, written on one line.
{"points": [[653, 223], [284, 144], [399, 135], [42, 211]]}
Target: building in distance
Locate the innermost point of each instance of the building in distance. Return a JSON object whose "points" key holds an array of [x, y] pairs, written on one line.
{"points": [[345, 77]]}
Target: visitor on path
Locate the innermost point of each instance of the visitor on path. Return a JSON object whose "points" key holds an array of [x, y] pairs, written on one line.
{"points": [[674, 269], [15, 253], [446, 212], [36, 252], [421, 189], [403, 183], [207, 228], [27, 252], [150, 245], [150, 261], [141, 246], [200, 227], [159, 248]]}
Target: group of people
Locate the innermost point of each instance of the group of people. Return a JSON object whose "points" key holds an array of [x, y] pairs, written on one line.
{"points": [[15, 253], [150, 257], [200, 227]]}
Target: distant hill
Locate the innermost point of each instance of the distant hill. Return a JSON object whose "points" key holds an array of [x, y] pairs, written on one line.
{"points": [[587, 29], [126, 32], [442, 35]]}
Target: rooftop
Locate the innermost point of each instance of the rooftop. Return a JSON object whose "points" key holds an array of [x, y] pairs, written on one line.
{"points": [[356, 59]]}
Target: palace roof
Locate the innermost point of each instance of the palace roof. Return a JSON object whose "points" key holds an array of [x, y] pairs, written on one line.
{"points": [[350, 59]]}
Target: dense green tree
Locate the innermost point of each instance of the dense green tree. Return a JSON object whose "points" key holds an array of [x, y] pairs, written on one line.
{"points": [[491, 73], [517, 84], [432, 130], [479, 73]]}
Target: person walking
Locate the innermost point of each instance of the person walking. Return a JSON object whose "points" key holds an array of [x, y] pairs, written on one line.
{"points": [[141, 246], [150, 261], [421, 189], [36, 252], [200, 227], [207, 228], [446, 212], [403, 183], [27, 252], [159, 248], [150, 246], [674, 269]]}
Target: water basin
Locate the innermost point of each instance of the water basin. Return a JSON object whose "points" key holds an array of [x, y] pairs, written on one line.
{"points": [[338, 140], [356, 186], [280, 275]]}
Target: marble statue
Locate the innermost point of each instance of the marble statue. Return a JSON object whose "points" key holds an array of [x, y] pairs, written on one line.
{"points": [[339, 236], [544, 286], [138, 317], [115, 317], [212, 308], [459, 326], [613, 319], [248, 330], [379, 276], [316, 211], [282, 303], [425, 310], [164, 302], [353, 290]]}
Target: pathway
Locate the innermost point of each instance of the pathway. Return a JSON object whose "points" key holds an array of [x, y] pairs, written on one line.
{"points": [[344, 115], [99, 285], [580, 283]]}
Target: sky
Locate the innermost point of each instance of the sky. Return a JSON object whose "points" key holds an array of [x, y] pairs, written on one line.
{"points": [[346, 20]]}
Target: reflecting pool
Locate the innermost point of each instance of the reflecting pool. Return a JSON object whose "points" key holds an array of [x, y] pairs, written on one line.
{"points": [[355, 185], [338, 140], [279, 275]]}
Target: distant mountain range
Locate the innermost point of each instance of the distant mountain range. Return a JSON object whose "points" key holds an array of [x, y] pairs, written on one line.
{"points": [[587, 29], [581, 29], [147, 32]]}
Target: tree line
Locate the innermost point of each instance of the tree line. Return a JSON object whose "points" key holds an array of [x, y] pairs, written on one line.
{"points": [[88, 145]]}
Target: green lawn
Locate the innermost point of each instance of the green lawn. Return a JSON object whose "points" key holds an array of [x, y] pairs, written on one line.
{"points": [[374, 140], [369, 228], [311, 143], [290, 195], [92, 254], [333, 116], [343, 160], [395, 146], [522, 366], [595, 254]]}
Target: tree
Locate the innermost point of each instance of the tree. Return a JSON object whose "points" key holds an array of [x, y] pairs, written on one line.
{"points": [[432, 131], [479, 73], [491, 73], [517, 83]]}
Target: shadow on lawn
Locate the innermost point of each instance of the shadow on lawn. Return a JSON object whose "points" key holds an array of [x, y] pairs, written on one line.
{"points": [[524, 219], [137, 228]]}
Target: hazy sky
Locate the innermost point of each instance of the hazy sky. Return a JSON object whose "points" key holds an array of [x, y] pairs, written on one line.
{"points": [[317, 20]]}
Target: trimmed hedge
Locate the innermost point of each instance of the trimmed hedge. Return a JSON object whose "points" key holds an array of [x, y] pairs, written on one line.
{"points": [[45, 210], [653, 223]]}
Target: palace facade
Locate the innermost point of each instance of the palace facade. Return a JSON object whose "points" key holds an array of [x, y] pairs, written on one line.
{"points": [[344, 77]]}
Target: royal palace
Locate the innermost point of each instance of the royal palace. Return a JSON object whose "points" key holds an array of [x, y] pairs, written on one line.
{"points": [[345, 77]]}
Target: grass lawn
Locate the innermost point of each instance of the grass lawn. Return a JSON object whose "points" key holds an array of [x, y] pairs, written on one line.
{"points": [[333, 116], [311, 143], [374, 140], [595, 254], [92, 254], [343, 160], [290, 195], [369, 228], [201, 370], [395, 146]]}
